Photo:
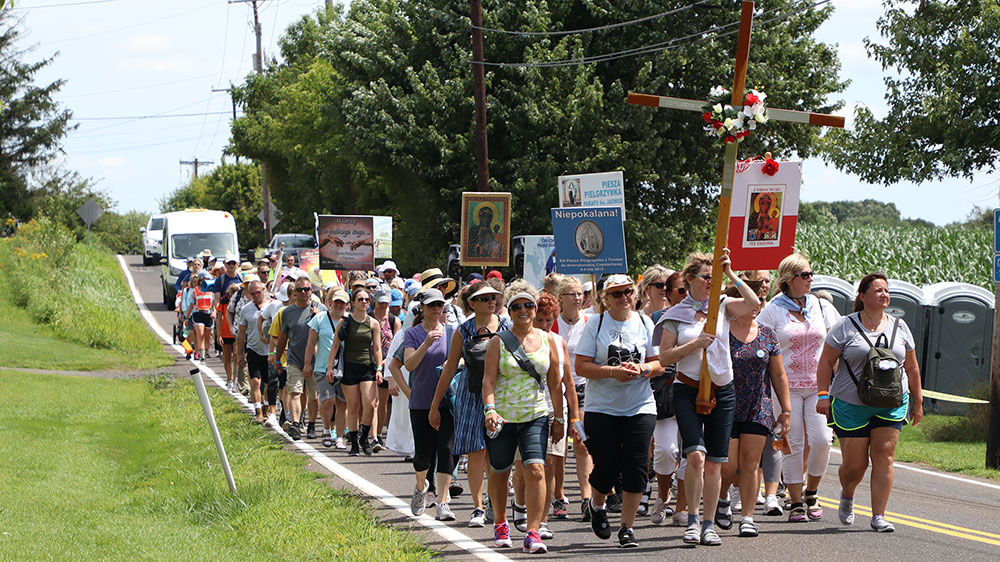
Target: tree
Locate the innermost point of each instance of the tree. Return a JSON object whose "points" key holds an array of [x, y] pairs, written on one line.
{"points": [[230, 187], [371, 112], [942, 118], [31, 122]]}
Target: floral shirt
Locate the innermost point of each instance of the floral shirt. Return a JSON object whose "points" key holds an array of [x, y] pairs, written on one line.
{"points": [[518, 396], [801, 341], [752, 376]]}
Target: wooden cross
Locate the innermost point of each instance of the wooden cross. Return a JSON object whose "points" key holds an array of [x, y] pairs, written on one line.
{"points": [[729, 170]]}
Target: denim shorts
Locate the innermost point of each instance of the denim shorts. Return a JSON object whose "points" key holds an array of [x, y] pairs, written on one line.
{"points": [[529, 437], [708, 433]]}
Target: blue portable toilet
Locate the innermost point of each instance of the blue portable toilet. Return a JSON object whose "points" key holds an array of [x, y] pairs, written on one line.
{"points": [[959, 339], [843, 293]]}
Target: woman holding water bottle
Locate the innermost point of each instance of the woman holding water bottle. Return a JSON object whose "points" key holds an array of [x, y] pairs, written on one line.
{"points": [[520, 363], [757, 368]]}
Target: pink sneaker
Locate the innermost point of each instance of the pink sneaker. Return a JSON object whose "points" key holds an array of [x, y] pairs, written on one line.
{"points": [[501, 535], [533, 543]]}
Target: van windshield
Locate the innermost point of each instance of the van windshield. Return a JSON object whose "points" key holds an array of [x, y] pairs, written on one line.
{"points": [[156, 224], [188, 245]]}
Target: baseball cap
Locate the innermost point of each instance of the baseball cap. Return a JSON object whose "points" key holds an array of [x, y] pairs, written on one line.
{"points": [[431, 295], [232, 259], [283, 291], [341, 295], [494, 274], [397, 298], [474, 278], [383, 294]]}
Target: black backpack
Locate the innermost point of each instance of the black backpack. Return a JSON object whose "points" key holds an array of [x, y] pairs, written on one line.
{"points": [[881, 382], [474, 352]]}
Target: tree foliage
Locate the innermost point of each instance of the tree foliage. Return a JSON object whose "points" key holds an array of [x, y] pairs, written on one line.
{"points": [[942, 118], [371, 111], [230, 187], [867, 212], [31, 123]]}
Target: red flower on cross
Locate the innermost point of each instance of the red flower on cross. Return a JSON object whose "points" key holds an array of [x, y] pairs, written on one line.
{"points": [[770, 167]]}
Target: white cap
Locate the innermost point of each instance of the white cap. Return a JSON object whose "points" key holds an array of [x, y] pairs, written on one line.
{"points": [[283, 291]]}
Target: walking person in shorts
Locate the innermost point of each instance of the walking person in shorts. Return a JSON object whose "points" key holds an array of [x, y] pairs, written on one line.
{"points": [[293, 334]]}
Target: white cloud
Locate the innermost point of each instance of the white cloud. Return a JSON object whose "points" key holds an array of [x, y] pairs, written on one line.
{"points": [[147, 43]]}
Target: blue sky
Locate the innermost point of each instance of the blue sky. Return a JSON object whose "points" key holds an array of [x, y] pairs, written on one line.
{"points": [[122, 58]]}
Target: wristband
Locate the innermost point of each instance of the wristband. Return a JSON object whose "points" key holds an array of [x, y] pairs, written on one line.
{"points": [[822, 393], [823, 397], [270, 353], [488, 407], [738, 283], [574, 420]]}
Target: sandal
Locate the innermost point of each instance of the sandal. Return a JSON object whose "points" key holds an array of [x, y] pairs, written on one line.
{"points": [[748, 529], [813, 510], [710, 538], [724, 515], [797, 513], [327, 440], [692, 535]]}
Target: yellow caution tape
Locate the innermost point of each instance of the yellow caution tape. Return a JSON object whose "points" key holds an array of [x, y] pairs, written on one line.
{"points": [[952, 397]]}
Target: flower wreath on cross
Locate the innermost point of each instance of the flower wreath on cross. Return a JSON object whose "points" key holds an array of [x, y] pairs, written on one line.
{"points": [[729, 124]]}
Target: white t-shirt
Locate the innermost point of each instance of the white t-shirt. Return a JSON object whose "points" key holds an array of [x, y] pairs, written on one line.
{"points": [[571, 333], [248, 320], [632, 342], [690, 365]]}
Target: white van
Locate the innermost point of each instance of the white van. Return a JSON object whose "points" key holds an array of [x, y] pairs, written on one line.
{"points": [[188, 233], [152, 240]]}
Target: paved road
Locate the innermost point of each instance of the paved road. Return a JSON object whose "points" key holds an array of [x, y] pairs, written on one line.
{"points": [[937, 516]]}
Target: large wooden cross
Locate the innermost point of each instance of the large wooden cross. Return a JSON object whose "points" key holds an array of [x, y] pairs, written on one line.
{"points": [[729, 169]]}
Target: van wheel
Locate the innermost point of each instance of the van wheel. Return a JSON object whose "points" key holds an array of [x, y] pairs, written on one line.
{"points": [[146, 261], [167, 301]]}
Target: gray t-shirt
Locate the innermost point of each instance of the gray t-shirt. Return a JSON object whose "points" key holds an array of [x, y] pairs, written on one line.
{"points": [[845, 338], [295, 322], [628, 341], [248, 321]]}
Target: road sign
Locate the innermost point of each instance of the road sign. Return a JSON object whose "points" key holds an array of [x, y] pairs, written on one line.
{"points": [[996, 269], [275, 216], [90, 212], [996, 229]]}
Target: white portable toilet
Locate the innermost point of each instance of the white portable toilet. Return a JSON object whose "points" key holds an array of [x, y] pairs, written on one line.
{"points": [[909, 303], [843, 292], [960, 335]]}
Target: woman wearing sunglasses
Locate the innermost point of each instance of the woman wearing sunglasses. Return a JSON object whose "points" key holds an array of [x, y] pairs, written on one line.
{"points": [[653, 290], [801, 322], [361, 338], [519, 364], [704, 437], [480, 299], [617, 357]]}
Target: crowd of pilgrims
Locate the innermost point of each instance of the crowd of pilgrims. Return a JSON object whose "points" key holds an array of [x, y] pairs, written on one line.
{"points": [[502, 381]]}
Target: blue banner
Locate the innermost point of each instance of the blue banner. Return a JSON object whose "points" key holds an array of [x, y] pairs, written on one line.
{"points": [[590, 240]]}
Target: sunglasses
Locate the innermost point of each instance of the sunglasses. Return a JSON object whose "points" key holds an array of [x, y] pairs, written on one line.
{"points": [[436, 304], [362, 299], [620, 294], [804, 275], [519, 305], [706, 277], [659, 285], [303, 289], [486, 298], [681, 290]]}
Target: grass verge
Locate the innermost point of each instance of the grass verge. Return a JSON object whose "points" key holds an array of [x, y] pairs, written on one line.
{"points": [[76, 290], [127, 470], [917, 444]]}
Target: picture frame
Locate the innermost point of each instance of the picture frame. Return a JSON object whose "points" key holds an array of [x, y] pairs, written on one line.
{"points": [[485, 228]]}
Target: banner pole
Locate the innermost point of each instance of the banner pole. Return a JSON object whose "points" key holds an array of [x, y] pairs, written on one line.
{"points": [[206, 405]]}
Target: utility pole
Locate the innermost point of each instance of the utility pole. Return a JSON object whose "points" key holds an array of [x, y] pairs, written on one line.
{"points": [[258, 66], [196, 163], [479, 91], [229, 90]]}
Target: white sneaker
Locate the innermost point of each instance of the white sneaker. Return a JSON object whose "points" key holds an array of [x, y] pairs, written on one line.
{"points": [[680, 519], [760, 498], [659, 513], [737, 502], [772, 506], [340, 444], [544, 531], [443, 512]]}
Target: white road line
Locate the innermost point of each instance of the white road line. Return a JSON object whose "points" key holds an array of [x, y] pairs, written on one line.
{"points": [[450, 534], [934, 473]]}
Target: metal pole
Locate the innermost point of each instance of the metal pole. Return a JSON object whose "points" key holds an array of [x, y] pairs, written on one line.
{"points": [[993, 429], [206, 405], [479, 91]]}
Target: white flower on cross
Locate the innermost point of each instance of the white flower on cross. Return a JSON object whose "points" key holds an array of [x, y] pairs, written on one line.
{"points": [[718, 91]]}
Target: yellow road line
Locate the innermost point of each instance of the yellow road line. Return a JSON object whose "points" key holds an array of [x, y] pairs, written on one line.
{"points": [[925, 524]]}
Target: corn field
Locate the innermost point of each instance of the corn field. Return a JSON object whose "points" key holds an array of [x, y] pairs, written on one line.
{"points": [[918, 255]]}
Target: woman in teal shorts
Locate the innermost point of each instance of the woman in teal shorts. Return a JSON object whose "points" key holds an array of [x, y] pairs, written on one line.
{"points": [[867, 432]]}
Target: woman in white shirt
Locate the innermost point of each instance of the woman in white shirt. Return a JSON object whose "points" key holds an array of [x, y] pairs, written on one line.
{"points": [[704, 437]]}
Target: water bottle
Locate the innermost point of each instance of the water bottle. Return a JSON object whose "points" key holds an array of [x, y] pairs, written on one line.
{"points": [[779, 442], [492, 433]]}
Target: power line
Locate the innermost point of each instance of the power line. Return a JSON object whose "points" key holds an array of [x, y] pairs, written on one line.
{"points": [[649, 49], [157, 116], [67, 4], [123, 28], [591, 29]]}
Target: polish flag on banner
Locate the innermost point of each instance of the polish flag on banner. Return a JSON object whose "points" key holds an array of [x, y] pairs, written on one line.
{"points": [[764, 213]]}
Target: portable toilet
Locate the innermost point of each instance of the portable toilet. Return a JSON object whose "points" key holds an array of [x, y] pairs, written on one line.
{"points": [[843, 292], [960, 335], [908, 303]]}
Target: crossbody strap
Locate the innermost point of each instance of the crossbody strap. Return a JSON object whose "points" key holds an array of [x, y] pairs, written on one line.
{"points": [[512, 344]]}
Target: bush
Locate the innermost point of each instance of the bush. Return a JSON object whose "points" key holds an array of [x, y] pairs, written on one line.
{"points": [[76, 288]]}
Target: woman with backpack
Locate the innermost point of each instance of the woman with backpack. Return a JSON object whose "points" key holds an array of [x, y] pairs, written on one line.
{"points": [[867, 400], [361, 338], [801, 321], [470, 342]]}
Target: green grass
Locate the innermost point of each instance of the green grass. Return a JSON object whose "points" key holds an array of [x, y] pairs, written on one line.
{"points": [[126, 470], [76, 290], [917, 444]]}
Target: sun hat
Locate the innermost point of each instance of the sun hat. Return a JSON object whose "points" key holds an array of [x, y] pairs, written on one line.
{"points": [[397, 298], [618, 280], [588, 286], [433, 278], [246, 266], [386, 265], [412, 287], [431, 295], [484, 290], [250, 278]]}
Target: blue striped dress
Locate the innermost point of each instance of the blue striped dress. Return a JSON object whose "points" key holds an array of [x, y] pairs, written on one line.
{"points": [[469, 418]]}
